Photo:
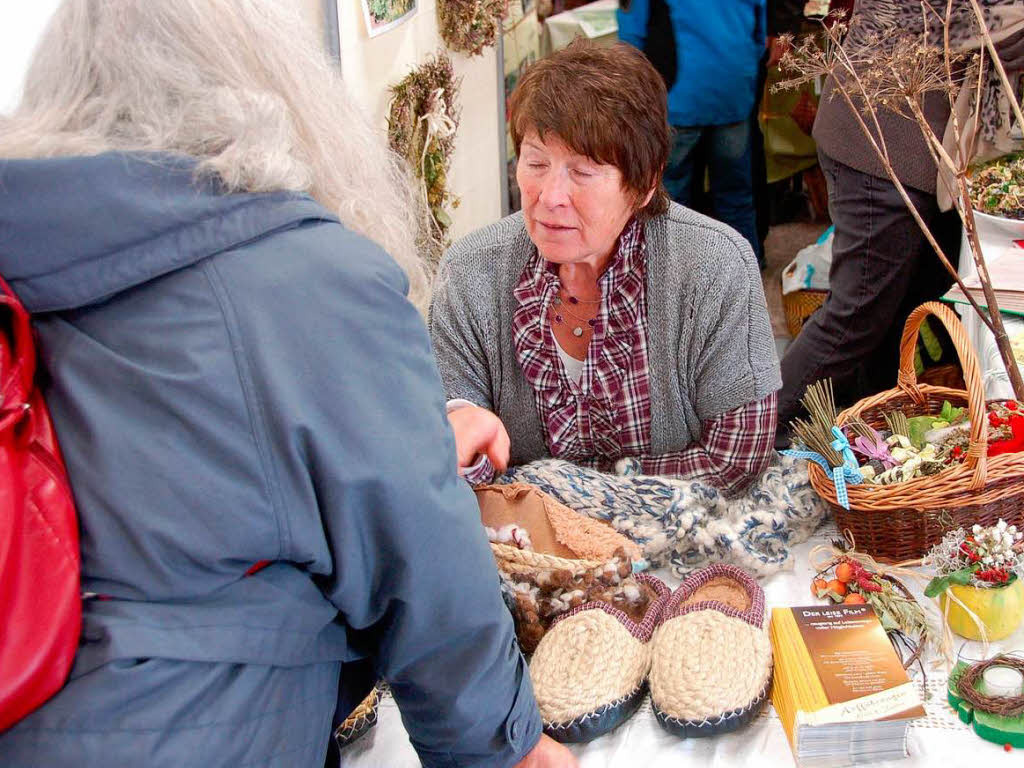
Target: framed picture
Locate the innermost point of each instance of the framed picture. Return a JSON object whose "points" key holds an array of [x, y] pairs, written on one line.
{"points": [[382, 15]]}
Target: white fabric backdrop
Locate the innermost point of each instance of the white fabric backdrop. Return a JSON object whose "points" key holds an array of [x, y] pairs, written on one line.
{"points": [[21, 23]]}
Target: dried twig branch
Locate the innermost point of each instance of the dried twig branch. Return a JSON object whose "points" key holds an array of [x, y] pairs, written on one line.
{"points": [[896, 76]]}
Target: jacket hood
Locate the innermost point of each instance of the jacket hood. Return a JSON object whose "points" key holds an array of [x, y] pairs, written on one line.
{"points": [[75, 231]]}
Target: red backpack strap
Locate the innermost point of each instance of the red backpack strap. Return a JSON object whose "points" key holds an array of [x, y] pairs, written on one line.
{"points": [[40, 598], [16, 382]]}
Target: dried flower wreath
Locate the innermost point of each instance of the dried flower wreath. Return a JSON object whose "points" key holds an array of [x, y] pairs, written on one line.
{"points": [[469, 26], [422, 120]]}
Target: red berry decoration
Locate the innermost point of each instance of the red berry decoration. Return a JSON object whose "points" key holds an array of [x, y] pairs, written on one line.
{"points": [[867, 584]]}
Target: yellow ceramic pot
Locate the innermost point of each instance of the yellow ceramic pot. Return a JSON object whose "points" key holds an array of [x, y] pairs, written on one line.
{"points": [[1000, 610]]}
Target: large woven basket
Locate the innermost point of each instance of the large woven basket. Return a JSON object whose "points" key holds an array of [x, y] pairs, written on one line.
{"points": [[902, 522], [798, 306]]}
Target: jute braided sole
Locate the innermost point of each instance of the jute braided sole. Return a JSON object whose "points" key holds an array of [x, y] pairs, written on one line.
{"points": [[713, 726], [362, 719], [589, 671], [595, 724]]}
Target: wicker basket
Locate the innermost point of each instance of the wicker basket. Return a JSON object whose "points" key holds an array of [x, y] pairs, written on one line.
{"points": [[799, 306], [902, 522], [556, 555]]}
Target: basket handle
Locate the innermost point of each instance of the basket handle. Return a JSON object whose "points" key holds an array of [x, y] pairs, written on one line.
{"points": [[977, 447]]}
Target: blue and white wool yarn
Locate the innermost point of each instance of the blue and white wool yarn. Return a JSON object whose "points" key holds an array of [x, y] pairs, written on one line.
{"points": [[687, 524]]}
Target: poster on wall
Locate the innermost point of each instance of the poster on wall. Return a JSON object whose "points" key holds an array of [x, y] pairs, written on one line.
{"points": [[384, 15], [521, 44]]}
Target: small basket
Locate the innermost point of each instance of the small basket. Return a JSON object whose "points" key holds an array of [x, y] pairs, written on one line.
{"points": [[799, 306], [894, 523], [546, 511], [566, 547]]}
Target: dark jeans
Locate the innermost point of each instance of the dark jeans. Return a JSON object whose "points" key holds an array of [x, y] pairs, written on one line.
{"points": [[727, 148], [882, 268]]}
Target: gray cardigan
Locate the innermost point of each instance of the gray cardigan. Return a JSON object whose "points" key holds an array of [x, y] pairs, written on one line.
{"points": [[710, 341]]}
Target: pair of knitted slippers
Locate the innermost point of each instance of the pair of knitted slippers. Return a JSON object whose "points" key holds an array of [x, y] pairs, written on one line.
{"points": [[703, 651]]}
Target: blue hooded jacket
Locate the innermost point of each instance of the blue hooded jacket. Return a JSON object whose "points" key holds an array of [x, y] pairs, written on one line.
{"points": [[718, 45], [234, 379]]}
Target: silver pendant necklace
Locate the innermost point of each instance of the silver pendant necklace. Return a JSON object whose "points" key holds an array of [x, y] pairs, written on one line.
{"points": [[577, 331]]}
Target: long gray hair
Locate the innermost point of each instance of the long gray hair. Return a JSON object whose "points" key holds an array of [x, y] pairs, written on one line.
{"points": [[241, 85]]}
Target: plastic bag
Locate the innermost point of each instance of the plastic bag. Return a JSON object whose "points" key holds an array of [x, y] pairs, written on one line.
{"points": [[809, 269]]}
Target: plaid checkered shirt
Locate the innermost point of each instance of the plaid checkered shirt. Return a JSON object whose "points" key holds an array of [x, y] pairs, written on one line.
{"points": [[606, 415]]}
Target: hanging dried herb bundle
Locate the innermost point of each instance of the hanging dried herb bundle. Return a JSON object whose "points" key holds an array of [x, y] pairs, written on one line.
{"points": [[422, 121], [469, 26]]}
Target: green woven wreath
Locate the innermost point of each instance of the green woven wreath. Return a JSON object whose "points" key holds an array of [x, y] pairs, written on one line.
{"points": [[422, 121]]}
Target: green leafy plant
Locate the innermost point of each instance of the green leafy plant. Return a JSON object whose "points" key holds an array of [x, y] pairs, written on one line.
{"points": [[997, 188]]}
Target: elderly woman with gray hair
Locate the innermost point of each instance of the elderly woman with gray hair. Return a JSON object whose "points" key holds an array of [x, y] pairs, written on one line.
{"points": [[247, 404]]}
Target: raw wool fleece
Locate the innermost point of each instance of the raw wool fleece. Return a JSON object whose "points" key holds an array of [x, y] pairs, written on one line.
{"points": [[687, 524], [537, 599]]}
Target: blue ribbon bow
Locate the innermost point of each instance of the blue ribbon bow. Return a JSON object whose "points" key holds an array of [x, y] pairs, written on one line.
{"points": [[849, 472]]}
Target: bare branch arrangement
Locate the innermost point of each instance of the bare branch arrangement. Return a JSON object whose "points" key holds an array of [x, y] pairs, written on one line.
{"points": [[896, 76]]}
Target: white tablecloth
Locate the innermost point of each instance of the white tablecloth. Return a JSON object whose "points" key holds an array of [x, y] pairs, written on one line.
{"points": [[939, 739]]}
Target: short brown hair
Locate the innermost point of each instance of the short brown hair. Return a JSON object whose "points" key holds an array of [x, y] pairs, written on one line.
{"points": [[605, 102]]}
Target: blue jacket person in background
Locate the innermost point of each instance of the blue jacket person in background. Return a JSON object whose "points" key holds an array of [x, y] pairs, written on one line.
{"points": [[188, 207], [708, 51]]}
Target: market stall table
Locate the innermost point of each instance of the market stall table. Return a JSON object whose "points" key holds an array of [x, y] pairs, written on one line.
{"points": [[939, 739]]}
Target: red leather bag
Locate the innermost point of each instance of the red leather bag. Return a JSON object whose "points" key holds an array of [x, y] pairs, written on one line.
{"points": [[40, 599]]}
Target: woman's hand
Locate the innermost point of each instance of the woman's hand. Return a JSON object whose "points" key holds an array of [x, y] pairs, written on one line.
{"points": [[548, 754], [479, 431]]}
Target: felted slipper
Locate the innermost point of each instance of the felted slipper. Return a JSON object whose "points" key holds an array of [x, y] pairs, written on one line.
{"points": [[711, 665], [589, 671]]}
